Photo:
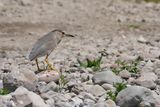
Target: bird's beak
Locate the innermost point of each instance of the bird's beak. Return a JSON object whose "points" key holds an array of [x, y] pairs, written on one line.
{"points": [[68, 35]]}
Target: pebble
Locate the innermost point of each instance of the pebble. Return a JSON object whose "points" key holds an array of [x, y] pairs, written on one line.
{"points": [[106, 77], [97, 90], [125, 74]]}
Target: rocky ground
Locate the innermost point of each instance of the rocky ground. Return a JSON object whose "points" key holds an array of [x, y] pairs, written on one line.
{"points": [[124, 32]]}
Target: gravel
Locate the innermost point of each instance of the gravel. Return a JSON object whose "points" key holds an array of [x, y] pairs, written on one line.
{"points": [[120, 29]]}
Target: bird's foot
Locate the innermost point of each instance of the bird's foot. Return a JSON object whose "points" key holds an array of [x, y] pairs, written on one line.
{"points": [[52, 68]]}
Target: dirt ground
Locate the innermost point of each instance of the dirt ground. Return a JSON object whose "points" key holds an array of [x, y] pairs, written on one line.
{"points": [[95, 22]]}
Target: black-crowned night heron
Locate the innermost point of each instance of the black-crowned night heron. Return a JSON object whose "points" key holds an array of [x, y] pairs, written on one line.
{"points": [[45, 45]]}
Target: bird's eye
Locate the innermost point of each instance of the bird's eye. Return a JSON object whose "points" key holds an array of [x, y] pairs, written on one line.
{"points": [[63, 33]]}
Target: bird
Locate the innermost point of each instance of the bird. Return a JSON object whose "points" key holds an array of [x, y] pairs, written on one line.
{"points": [[45, 45]]}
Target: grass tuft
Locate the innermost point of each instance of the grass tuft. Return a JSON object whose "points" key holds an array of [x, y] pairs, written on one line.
{"points": [[4, 91], [62, 82], [94, 64], [154, 1], [135, 26], [130, 67], [119, 87]]}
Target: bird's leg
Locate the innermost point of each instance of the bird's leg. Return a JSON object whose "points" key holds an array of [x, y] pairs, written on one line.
{"points": [[49, 65], [38, 65]]}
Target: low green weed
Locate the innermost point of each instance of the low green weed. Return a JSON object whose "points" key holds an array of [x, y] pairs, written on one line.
{"points": [[62, 82], [119, 87], [4, 91], [94, 64], [123, 65], [154, 1]]}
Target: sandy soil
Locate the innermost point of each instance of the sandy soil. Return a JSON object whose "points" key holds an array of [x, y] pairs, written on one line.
{"points": [[95, 22]]}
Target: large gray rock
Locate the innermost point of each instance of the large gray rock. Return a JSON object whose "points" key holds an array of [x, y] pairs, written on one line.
{"points": [[25, 98], [25, 78], [106, 77], [147, 80], [134, 96]]}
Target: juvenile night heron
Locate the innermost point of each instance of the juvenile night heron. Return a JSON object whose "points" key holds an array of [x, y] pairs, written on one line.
{"points": [[45, 45]]}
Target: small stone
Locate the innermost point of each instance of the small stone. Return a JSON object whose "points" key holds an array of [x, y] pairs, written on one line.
{"points": [[50, 86], [101, 104], [22, 100], [63, 104], [146, 83], [141, 39], [87, 95], [1, 84], [88, 101], [61, 97], [131, 81], [157, 72], [108, 87], [48, 76], [102, 98], [111, 103], [125, 74], [106, 77], [157, 81], [145, 104], [26, 2], [126, 57], [50, 102], [5, 101], [76, 102], [97, 90]]}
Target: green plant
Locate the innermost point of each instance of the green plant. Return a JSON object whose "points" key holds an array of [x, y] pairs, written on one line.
{"points": [[119, 87], [113, 94], [154, 1], [135, 26], [4, 91], [62, 82], [94, 64], [130, 67]]}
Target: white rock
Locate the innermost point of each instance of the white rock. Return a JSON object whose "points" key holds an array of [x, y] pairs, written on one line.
{"points": [[48, 76], [111, 103], [141, 39]]}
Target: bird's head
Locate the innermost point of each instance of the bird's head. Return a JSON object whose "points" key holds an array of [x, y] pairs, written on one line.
{"points": [[62, 34]]}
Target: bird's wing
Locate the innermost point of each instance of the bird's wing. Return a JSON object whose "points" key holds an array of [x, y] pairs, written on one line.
{"points": [[41, 47]]}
